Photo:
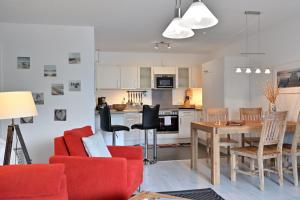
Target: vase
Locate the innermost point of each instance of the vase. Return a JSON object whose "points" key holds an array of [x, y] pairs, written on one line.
{"points": [[272, 107]]}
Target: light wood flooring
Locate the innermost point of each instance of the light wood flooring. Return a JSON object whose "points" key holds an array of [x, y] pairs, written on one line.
{"points": [[177, 175]]}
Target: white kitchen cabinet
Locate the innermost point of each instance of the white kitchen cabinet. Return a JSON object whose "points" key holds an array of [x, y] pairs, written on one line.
{"points": [[196, 77], [185, 119], [183, 77], [164, 70], [145, 77], [108, 77], [129, 77]]}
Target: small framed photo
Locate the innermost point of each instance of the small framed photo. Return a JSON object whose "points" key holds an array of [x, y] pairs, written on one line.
{"points": [[57, 89], [60, 115], [75, 86], [74, 58], [26, 120], [23, 62], [49, 70], [38, 98]]}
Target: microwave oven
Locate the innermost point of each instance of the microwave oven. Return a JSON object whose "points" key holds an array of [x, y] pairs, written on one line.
{"points": [[164, 81]]}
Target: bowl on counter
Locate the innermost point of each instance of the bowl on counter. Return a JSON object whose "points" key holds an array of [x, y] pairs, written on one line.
{"points": [[119, 107]]}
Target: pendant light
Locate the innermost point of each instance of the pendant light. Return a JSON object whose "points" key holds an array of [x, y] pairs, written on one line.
{"points": [[248, 70], [238, 70], [198, 16], [257, 71], [267, 71], [175, 30]]}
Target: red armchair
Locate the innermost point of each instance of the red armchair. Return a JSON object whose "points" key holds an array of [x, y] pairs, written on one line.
{"points": [[33, 182], [89, 178]]}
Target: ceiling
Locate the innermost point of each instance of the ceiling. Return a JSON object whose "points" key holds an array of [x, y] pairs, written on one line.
{"points": [[134, 25]]}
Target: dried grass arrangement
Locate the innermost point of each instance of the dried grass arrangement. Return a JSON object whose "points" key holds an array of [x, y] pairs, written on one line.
{"points": [[271, 92]]}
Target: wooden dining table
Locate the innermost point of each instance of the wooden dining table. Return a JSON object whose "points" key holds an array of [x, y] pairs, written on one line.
{"points": [[215, 130]]}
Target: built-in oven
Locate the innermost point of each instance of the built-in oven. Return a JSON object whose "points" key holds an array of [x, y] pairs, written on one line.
{"points": [[168, 121], [164, 80]]}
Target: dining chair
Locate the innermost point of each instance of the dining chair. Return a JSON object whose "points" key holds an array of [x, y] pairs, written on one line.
{"points": [[270, 146], [250, 115], [293, 151], [220, 115]]}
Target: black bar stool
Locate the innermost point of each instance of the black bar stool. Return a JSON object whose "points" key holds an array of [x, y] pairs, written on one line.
{"points": [[150, 122], [105, 123]]}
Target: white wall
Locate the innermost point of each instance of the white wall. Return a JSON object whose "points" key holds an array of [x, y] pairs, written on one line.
{"points": [[281, 45], [46, 44]]}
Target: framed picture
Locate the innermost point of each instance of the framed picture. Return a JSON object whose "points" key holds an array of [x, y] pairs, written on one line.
{"points": [[75, 86], [60, 115], [57, 89], [288, 80], [74, 58], [49, 70], [26, 120], [23, 62], [38, 98]]}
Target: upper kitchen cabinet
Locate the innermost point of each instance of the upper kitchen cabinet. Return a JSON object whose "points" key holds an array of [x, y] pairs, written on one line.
{"points": [[164, 70], [196, 77], [145, 77], [108, 77], [129, 77], [183, 77]]}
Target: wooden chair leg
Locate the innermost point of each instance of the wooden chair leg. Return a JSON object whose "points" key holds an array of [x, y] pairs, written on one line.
{"points": [[261, 174], [280, 170], [252, 165], [233, 165], [243, 145], [295, 170], [207, 149]]}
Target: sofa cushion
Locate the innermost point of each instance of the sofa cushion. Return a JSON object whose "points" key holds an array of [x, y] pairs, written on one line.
{"points": [[73, 140], [95, 146], [28, 181]]}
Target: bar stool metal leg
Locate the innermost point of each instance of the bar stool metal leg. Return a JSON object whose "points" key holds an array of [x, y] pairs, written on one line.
{"points": [[154, 147], [114, 138], [146, 160]]}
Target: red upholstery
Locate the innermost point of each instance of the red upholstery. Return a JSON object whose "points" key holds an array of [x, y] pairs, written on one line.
{"points": [[34, 182], [73, 140], [113, 178]]}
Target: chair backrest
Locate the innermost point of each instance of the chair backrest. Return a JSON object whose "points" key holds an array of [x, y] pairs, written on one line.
{"points": [[273, 130], [296, 138], [217, 114], [105, 118], [250, 114], [150, 117]]}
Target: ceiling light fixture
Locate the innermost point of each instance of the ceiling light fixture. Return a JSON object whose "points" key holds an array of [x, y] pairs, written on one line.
{"points": [[257, 71], [198, 16], [175, 30], [238, 70], [267, 71], [248, 70], [162, 43]]}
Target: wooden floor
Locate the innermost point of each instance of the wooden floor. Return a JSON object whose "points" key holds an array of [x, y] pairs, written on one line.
{"points": [[177, 175]]}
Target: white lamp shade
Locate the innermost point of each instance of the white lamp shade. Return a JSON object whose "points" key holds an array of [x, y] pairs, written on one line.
{"points": [[238, 70], [248, 71], [257, 71], [16, 105], [198, 16], [176, 31], [267, 71]]}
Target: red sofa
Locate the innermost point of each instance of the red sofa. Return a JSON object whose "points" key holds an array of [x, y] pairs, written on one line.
{"points": [[33, 182], [90, 178]]}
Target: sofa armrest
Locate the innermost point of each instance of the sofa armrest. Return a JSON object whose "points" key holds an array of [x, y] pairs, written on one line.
{"points": [[128, 152], [94, 178]]}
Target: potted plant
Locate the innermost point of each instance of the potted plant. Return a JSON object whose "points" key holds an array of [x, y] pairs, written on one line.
{"points": [[271, 93]]}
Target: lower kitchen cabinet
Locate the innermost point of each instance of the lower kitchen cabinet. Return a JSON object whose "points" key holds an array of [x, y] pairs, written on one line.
{"points": [[132, 137], [185, 119]]}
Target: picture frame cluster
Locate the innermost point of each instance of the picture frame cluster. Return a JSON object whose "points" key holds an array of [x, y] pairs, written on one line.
{"points": [[56, 88]]}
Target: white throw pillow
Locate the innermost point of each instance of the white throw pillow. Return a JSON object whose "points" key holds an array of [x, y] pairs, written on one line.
{"points": [[95, 146]]}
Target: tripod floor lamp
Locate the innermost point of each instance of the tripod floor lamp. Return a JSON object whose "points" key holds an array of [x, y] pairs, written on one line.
{"points": [[15, 105]]}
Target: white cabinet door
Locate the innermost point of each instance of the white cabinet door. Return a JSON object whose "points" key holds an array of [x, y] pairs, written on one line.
{"points": [[183, 77], [108, 77], [185, 119], [145, 77], [129, 77], [196, 77], [164, 70]]}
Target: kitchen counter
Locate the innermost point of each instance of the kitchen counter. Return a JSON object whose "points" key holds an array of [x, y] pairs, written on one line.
{"points": [[112, 111]]}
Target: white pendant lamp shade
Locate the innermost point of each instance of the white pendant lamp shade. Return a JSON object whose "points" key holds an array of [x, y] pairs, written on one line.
{"points": [[198, 16], [257, 71], [176, 31], [267, 71], [248, 71], [238, 70]]}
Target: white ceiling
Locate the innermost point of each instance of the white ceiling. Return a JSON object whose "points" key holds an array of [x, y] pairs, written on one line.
{"points": [[133, 25]]}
